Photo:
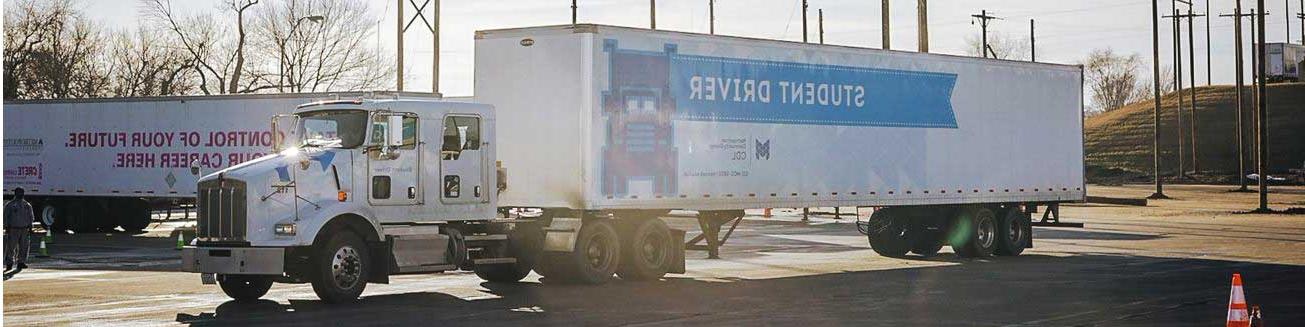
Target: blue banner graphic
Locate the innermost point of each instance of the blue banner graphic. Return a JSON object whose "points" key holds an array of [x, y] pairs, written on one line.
{"points": [[742, 90]]}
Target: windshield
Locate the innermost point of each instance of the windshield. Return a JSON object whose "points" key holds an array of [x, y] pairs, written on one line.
{"points": [[333, 128]]}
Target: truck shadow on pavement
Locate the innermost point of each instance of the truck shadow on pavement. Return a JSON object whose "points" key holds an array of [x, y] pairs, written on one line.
{"points": [[1076, 289]]}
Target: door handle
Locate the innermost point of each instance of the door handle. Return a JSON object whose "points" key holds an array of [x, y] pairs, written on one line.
{"points": [[412, 192]]}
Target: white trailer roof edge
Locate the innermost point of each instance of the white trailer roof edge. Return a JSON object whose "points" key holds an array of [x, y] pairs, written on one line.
{"points": [[597, 28], [322, 95]]}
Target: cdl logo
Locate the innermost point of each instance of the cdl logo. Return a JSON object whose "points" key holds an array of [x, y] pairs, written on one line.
{"points": [[763, 150]]}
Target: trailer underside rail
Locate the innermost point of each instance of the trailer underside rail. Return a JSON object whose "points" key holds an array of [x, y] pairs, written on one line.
{"points": [[711, 223]]}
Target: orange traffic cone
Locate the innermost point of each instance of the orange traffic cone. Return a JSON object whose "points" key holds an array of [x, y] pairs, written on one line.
{"points": [[1237, 315], [767, 213]]}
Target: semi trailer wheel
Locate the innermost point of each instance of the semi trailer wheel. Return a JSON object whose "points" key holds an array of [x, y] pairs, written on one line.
{"points": [[132, 214], [525, 242], [887, 234], [48, 215], [244, 288], [594, 260], [974, 232], [1012, 232], [341, 268], [926, 241], [647, 250], [75, 216]]}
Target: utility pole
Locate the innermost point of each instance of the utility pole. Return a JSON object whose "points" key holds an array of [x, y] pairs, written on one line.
{"points": [[1209, 77], [573, 12], [399, 43], [1300, 15], [883, 17], [432, 26], [820, 21], [804, 21], [1155, 87], [922, 20], [652, 14], [1178, 86], [1261, 128], [983, 25], [1191, 53], [1286, 9], [1241, 85], [1033, 45], [711, 16]]}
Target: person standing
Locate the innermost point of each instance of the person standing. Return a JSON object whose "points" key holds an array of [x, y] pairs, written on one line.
{"points": [[18, 230]]}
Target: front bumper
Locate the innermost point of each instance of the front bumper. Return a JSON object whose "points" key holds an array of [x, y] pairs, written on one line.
{"points": [[233, 260]]}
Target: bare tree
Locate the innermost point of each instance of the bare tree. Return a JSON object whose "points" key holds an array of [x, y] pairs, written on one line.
{"points": [[221, 63], [51, 52], [1002, 45], [143, 64], [1114, 80], [321, 45]]}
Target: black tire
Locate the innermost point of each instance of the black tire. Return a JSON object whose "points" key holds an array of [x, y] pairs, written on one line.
{"points": [[925, 241], [341, 267], [1012, 232], [245, 288], [133, 214], [646, 250], [525, 242], [887, 234], [75, 218], [974, 232], [594, 260]]}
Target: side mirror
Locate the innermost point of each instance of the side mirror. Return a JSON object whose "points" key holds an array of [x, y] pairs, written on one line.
{"points": [[194, 167], [394, 131]]}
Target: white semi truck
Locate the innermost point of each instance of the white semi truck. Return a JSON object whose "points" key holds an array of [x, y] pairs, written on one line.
{"points": [[579, 136]]}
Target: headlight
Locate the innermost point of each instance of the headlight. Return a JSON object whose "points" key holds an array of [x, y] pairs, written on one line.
{"points": [[285, 229]]}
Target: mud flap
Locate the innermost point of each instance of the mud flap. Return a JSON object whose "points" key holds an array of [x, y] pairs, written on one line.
{"points": [[560, 235], [677, 252]]}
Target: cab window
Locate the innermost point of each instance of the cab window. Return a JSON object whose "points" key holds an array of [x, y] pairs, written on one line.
{"points": [[409, 131], [460, 133]]}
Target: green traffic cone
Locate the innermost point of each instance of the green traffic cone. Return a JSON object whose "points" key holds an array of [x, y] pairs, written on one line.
{"points": [[43, 252], [49, 237], [181, 240]]}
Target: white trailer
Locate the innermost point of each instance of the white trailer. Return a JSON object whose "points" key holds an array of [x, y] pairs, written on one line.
{"points": [[595, 130], [96, 164], [1285, 61]]}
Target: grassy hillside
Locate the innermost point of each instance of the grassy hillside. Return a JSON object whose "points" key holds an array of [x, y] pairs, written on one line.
{"points": [[1121, 139]]}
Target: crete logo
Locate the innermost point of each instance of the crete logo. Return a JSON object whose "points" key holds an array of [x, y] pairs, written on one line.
{"points": [[25, 172]]}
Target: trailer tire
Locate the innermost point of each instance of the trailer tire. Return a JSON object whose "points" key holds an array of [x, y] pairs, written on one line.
{"points": [[926, 242], [974, 232], [49, 216], [245, 288], [341, 267], [887, 235], [646, 250], [133, 214], [594, 260], [1012, 232], [525, 242], [75, 216]]}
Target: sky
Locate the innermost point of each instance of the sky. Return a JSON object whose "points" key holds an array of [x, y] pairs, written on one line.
{"points": [[1066, 29]]}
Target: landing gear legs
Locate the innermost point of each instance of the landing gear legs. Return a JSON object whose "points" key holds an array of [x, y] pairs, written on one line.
{"points": [[711, 223]]}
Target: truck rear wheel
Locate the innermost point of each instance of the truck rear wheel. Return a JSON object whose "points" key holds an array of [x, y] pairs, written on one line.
{"points": [[243, 288], [594, 260], [49, 216], [925, 241], [525, 241], [974, 233], [887, 234], [341, 268], [1012, 232], [75, 216], [647, 250]]}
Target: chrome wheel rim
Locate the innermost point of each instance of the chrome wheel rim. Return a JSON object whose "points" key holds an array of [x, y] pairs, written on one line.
{"points": [[346, 267], [986, 233], [1015, 233]]}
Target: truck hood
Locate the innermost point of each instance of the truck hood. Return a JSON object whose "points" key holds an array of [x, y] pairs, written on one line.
{"points": [[290, 185]]}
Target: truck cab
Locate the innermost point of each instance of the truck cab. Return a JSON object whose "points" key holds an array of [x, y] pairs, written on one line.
{"points": [[355, 191]]}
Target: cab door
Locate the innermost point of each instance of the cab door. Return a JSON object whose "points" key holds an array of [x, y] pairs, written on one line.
{"points": [[462, 160], [392, 170]]}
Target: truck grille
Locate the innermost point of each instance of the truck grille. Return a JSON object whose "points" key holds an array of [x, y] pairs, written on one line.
{"points": [[221, 210]]}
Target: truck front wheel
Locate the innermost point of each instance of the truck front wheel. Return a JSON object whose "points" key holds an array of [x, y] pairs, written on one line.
{"points": [[341, 268], [243, 288]]}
